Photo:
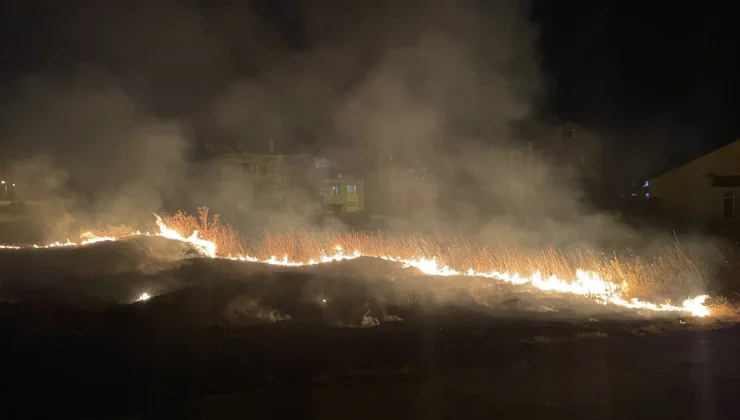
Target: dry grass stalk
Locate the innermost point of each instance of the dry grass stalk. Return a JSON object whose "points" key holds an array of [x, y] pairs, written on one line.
{"points": [[661, 274]]}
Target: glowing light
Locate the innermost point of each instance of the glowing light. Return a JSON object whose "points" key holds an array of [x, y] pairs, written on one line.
{"points": [[91, 238], [143, 296], [586, 283]]}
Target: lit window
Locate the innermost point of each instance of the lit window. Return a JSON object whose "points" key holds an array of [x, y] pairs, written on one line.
{"points": [[646, 184], [351, 189], [335, 190]]}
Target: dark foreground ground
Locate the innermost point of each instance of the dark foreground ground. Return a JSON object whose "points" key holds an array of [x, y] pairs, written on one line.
{"points": [[360, 339]]}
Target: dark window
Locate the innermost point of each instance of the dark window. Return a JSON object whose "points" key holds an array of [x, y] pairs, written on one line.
{"points": [[728, 205]]}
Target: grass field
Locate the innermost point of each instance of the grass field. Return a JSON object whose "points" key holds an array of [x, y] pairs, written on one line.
{"points": [[215, 341]]}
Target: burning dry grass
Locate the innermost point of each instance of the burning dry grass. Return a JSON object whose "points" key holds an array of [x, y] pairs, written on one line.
{"points": [[669, 271], [209, 227]]}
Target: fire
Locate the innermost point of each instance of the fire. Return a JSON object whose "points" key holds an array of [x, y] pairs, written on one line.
{"points": [[586, 283], [91, 238], [337, 256], [206, 248]]}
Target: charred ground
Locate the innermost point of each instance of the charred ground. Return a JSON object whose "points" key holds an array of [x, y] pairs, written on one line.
{"points": [[364, 338]]}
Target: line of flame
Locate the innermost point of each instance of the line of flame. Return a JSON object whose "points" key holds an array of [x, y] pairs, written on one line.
{"points": [[586, 283]]}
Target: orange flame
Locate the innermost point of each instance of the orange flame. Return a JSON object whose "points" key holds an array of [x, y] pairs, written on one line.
{"points": [[586, 283]]}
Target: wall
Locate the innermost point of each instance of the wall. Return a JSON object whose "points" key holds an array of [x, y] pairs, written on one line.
{"points": [[570, 145], [342, 185], [686, 192]]}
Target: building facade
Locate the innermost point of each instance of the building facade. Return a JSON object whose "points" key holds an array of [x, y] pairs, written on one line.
{"points": [[566, 144], [264, 173], [702, 193]]}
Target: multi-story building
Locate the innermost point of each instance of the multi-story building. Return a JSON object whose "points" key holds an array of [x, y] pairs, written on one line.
{"points": [[273, 178], [566, 144]]}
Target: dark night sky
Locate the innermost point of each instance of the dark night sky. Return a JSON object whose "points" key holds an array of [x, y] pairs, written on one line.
{"points": [[661, 77]]}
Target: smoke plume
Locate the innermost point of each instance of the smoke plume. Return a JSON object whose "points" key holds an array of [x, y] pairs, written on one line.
{"points": [[113, 115]]}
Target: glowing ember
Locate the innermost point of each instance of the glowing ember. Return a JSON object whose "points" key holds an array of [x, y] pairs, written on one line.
{"points": [[586, 283]]}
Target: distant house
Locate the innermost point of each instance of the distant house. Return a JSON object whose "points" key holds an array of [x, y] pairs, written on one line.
{"points": [[273, 178], [566, 144], [703, 192], [266, 171]]}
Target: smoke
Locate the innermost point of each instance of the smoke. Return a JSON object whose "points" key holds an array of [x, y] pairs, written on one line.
{"points": [[79, 138], [244, 310], [439, 110], [428, 91]]}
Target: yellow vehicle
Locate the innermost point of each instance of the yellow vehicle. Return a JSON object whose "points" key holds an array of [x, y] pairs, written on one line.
{"points": [[343, 194]]}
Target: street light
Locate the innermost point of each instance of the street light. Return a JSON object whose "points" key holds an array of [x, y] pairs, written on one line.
{"points": [[6, 188]]}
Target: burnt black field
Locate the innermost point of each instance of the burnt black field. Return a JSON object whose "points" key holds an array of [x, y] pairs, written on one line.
{"points": [[355, 339]]}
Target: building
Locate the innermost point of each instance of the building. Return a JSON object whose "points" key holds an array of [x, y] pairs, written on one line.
{"points": [[566, 144], [703, 192], [263, 173], [274, 179], [266, 173], [343, 194]]}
